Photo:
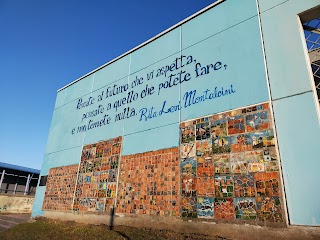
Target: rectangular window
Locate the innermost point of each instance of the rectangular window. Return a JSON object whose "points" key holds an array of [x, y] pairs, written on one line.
{"points": [[43, 180]]}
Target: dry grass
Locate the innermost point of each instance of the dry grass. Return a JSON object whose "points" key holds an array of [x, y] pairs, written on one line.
{"points": [[45, 229]]}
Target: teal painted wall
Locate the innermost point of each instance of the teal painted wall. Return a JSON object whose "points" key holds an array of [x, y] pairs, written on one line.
{"points": [[295, 112], [228, 37]]}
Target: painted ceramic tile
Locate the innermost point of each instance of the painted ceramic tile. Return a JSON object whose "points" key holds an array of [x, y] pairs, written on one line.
{"points": [[188, 134], [88, 152], [269, 209], [245, 208], [188, 150], [234, 113], [188, 167], [82, 168], [236, 125], [114, 161], [189, 186], [80, 179], [91, 203], [112, 175], [204, 148], [221, 145], [221, 164], [240, 143], [87, 177], [116, 148], [223, 186], [257, 122], [238, 163], [102, 193], [99, 150], [111, 189], [92, 152], [99, 164], [100, 204], [244, 186], [105, 164], [189, 207], [104, 175], [78, 192], [255, 161], [204, 167], [90, 165], [205, 186], [269, 141], [270, 159], [149, 183], [223, 208], [81, 204], [60, 188], [203, 130], [107, 149], [218, 126], [251, 109], [90, 190], [205, 207], [267, 184], [262, 139]]}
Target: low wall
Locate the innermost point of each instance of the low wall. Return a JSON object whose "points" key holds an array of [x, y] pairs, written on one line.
{"points": [[16, 204]]}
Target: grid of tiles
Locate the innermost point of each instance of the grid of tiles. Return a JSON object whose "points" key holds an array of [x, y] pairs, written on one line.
{"points": [[149, 183], [60, 188], [229, 167], [97, 178]]}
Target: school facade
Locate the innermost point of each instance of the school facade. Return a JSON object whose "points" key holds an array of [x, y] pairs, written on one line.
{"points": [[215, 119]]}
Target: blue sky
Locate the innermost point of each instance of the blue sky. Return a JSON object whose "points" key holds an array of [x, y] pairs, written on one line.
{"points": [[45, 45]]}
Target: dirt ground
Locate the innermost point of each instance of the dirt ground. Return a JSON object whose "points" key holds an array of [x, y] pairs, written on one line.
{"points": [[48, 229]]}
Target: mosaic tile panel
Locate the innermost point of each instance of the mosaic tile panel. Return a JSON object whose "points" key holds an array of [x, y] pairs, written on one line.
{"points": [[221, 164], [204, 167], [218, 126], [205, 207], [223, 208], [269, 209], [236, 169], [97, 179], [238, 163], [205, 186], [189, 207], [60, 188], [267, 184], [149, 184], [223, 186], [270, 159], [244, 186], [245, 208]]}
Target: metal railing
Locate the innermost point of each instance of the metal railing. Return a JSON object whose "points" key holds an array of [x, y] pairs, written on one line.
{"points": [[26, 180]]}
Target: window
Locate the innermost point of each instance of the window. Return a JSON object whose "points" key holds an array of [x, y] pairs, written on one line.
{"points": [[311, 26]]}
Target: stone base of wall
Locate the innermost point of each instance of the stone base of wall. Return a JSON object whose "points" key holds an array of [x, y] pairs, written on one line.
{"points": [[16, 204]]}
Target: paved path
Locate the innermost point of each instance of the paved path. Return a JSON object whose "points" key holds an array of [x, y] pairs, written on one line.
{"points": [[10, 220]]}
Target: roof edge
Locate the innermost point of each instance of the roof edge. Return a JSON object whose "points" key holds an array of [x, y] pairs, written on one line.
{"points": [[146, 42], [19, 168]]}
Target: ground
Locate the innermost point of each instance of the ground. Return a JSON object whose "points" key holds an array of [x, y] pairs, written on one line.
{"points": [[50, 229], [45, 229]]}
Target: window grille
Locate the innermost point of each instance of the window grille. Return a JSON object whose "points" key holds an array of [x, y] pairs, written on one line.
{"points": [[312, 36]]}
